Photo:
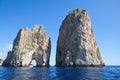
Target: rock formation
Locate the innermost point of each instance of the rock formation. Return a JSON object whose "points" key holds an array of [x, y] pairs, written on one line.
{"points": [[30, 45], [76, 45], [1, 61]]}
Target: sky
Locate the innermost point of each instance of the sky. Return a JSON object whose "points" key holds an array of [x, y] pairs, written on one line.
{"points": [[104, 14]]}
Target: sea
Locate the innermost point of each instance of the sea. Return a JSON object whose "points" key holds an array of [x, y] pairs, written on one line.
{"points": [[60, 73]]}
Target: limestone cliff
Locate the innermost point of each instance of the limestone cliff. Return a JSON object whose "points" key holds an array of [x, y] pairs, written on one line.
{"points": [[76, 45], [30, 44], [1, 61]]}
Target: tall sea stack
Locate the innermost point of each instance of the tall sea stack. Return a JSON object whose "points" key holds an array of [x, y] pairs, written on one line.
{"points": [[76, 45], [30, 44]]}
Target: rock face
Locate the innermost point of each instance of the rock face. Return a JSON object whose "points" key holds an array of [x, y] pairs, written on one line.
{"points": [[30, 45], [76, 45], [1, 61]]}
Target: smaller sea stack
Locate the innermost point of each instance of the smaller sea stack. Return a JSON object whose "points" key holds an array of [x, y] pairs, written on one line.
{"points": [[30, 44]]}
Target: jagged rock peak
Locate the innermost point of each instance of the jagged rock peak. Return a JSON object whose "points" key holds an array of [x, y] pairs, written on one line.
{"points": [[38, 28], [78, 12], [30, 44], [76, 45]]}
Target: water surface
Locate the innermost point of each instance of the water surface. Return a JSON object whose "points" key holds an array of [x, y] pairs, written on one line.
{"points": [[60, 73]]}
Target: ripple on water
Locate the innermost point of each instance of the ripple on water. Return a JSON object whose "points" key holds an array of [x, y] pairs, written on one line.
{"points": [[60, 73]]}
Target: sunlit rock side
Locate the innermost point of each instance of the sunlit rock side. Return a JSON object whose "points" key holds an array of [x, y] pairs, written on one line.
{"points": [[30, 44], [76, 45], [1, 61]]}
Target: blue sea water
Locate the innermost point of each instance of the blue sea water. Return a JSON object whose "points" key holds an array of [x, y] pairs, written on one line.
{"points": [[60, 73]]}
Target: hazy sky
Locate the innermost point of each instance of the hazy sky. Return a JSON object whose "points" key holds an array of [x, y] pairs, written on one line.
{"points": [[104, 14]]}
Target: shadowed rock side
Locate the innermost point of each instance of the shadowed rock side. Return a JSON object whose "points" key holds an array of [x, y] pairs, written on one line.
{"points": [[76, 45], [30, 45]]}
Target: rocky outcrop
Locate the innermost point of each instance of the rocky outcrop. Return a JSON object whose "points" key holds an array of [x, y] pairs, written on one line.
{"points": [[76, 45], [1, 61], [30, 45]]}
